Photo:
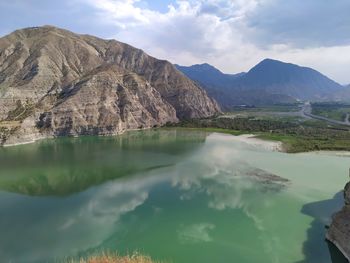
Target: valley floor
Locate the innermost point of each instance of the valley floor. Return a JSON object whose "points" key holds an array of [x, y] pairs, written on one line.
{"points": [[297, 133], [292, 127]]}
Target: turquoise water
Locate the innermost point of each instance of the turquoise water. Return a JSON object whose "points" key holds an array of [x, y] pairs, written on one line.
{"points": [[178, 196]]}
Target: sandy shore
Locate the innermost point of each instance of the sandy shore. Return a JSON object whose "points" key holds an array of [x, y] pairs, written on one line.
{"points": [[246, 138], [251, 139], [334, 153], [19, 143]]}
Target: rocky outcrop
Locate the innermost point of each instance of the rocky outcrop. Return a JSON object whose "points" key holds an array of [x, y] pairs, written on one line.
{"points": [[339, 230], [54, 82]]}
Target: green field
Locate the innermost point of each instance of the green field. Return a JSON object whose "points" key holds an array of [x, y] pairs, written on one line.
{"points": [[269, 108], [284, 112], [296, 135], [335, 111]]}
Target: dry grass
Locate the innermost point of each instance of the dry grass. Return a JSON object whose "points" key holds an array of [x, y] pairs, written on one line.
{"points": [[9, 124], [114, 258]]}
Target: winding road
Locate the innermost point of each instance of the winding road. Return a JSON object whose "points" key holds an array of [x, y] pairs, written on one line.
{"points": [[306, 112]]}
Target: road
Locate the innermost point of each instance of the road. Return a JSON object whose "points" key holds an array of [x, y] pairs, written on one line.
{"points": [[347, 118], [306, 112]]}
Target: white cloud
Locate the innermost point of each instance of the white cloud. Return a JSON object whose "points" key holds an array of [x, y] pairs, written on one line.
{"points": [[122, 14], [195, 233], [228, 34]]}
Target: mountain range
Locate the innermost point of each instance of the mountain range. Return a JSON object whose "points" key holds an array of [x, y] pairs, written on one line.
{"points": [[269, 82], [54, 82]]}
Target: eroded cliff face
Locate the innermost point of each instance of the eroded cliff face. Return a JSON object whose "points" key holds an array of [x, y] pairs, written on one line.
{"points": [[339, 230], [54, 82]]}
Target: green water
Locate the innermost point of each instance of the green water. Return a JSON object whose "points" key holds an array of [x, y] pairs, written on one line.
{"points": [[178, 196]]}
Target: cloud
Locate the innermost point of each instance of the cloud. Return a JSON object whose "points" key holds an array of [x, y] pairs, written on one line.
{"points": [[70, 220], [235, 35], [232, 35], [300, 23], [195, 233]]}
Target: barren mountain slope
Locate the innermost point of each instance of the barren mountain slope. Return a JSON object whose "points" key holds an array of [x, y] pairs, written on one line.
{"points": [[54, 82]]}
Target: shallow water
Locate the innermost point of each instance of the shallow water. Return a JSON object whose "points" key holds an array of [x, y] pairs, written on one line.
{"points": [[178, 196]]}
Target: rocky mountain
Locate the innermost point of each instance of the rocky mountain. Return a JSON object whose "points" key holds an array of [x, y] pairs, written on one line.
{"points": [[269, 82], [339, 230], [54, 82]]}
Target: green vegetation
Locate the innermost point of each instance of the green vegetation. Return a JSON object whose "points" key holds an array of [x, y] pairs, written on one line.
{"points": [[303, 143], [6, 130], [296, 135], [21, 111], [14, 119], [331, 110], [209, 129], [284, 112], [108, 257], [293, 107]]}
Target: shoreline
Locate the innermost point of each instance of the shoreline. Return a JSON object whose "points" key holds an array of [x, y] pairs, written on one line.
{"points": [[24, 143], [338, 231], [75, 136], [334, 153], [253, 140], [249, 138], [68, 136]]}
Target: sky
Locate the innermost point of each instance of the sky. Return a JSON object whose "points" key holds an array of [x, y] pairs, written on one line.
{"points": [[232, 35]]}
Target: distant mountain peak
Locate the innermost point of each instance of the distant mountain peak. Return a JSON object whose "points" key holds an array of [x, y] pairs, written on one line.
{"points": [[42, 28], [207, 75], [268, 62], [271, 60], [205, 67], [270, 81]]}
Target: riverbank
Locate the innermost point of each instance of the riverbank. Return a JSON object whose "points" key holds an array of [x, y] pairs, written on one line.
{"points": [[282, 143], [249, 138], [200, 189], [339, 230], [253, 140], [108, 257], [276, 140], [295, 135], [34, 139]]}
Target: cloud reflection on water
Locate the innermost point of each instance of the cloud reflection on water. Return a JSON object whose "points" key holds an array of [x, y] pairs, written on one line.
{"points": [[85, 220]]}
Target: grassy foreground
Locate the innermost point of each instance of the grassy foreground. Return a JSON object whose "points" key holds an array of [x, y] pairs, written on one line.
{"points": [[108, 257]]}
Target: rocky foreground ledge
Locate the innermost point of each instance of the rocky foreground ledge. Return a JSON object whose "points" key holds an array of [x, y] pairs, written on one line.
{"points": [[339, 230]]}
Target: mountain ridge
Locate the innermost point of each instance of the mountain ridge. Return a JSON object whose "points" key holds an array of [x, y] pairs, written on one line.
{"points": [[268, 82], [54, 82], [210, 74]]}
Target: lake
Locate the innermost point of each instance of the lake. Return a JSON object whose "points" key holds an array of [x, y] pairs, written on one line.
{"points": [[176, 195]]}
